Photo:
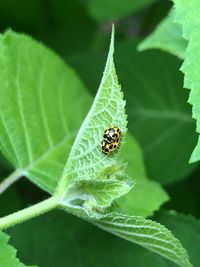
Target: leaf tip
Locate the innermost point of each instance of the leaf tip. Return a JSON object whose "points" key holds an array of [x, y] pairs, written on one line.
{"points": [[112, 40]]}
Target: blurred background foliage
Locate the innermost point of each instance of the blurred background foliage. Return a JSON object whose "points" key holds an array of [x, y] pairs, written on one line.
{"points": [[159, 119]]}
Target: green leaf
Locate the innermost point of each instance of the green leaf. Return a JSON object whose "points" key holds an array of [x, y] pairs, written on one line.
{"points": [[103, 10], [91, 177], [148, 234], [159, 117], [39, 94], [186, 15], [134, 202], [167, 37], [8, 253], [186, 228], [77, 243], [47, 169]]}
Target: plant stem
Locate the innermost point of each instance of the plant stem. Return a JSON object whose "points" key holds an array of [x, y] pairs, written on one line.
{"points": [[7, 182], [28, 213]]}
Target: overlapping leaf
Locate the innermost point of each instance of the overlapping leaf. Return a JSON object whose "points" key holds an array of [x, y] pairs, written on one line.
{"points": [[81, 244], [90, 175], [187, 14], [8, 253], [159, 117], [167, 36], [132, 203], [61, 97]]}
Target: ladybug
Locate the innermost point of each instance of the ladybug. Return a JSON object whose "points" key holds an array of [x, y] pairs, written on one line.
{"points": [[111, 139]]}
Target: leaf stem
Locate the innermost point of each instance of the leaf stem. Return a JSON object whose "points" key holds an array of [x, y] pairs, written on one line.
{"points": [[11, 179], [28, 213]]}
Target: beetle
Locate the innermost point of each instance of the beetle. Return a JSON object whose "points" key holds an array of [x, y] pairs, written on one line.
{"points": [[111, 139]]}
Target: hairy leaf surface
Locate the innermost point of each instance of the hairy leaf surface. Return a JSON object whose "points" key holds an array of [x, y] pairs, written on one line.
{"points": [[45, 169], [90, 176], [81, 244], [147, 233], [159, 117]]}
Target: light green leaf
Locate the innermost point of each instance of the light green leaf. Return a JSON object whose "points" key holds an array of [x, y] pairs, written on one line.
{"points": [[8, 253], [147, 233], [167, 37], [187, 14], [88, 172], [158, 112], [80, 174], [47, 169], [40, 97], [103, 10]]}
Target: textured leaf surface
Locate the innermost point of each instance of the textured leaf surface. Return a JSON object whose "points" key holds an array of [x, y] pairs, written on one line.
{"points": [[86, 163], [8, 253], [77, 243], [39, 94], [167, 37], [159, 117], [102, 10], [147, 233], [46, 169], [187, 14]]}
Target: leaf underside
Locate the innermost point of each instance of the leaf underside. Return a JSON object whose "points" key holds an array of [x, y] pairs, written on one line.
{"points": [[59, 98], [86, 163], [147, 233], [91, 181], [158, 112]]}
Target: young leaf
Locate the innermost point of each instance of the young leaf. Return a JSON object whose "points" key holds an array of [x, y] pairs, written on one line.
{"points": [[167, 37], [155, 103], [48, 168], [8, 253], [186, 13], [39, 94], [91, 177], [148, 234]]}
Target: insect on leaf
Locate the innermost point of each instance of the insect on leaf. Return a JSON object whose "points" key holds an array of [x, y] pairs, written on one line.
{"points": [[87, 167]]}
